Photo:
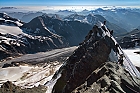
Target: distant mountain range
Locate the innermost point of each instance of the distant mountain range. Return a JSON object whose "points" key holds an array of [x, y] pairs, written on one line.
{"points": [[126, 18], [92, 19]]}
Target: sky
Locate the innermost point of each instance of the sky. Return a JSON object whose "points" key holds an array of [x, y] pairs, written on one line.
{"points": [[68, 2]]}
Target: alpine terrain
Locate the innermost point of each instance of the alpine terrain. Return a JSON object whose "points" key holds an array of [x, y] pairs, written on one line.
{"points": [[98, 65], [17, 39]]}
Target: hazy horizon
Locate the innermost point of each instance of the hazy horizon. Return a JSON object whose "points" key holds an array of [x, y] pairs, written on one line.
{"points": [[69, 2], [64, 7]]}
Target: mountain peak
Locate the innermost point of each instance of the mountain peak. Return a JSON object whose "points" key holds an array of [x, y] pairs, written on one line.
{"points": [[98, 48]]}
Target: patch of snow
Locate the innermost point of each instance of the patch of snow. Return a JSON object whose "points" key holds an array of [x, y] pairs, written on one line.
{"points": [[10, 29], [51, 83], [18, 23], [113, 57], [2, 19], [99, 24], [13, 73]]}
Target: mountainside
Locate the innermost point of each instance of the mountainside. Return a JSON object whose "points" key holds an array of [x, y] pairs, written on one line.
{"points": [[130, 40], [73, 31], [73, 28], [94, 67], [126, 17], [13, 40], [109, 78]]}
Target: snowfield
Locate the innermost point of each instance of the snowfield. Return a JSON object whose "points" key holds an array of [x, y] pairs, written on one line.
{"points": [[13, 73], [14, 30], [135, 58], [28, 76]]}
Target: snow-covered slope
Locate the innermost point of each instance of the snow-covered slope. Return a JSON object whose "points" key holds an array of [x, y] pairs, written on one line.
{"points": [[44, 65], [14, 40], [13, 30], [134, 57]]}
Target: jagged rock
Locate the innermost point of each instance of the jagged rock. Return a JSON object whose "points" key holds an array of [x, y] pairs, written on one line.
{"points": [[138, 52], [81, 64], [106, 84], [138, 68], [79, 73]]}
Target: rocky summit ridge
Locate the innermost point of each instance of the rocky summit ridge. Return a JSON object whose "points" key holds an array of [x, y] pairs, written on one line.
{"points": [[95, 68]]}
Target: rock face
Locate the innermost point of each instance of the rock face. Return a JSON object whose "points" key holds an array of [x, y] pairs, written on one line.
{"points": [[98, 47], [73, 28], [81, 64], [73, 31], [109, 78]]}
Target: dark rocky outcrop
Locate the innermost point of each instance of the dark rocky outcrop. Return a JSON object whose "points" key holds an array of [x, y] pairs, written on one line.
{"points": [[87, 66], [137, 52], [79, 66], [73, 31], [7, 65], [109, 78]]}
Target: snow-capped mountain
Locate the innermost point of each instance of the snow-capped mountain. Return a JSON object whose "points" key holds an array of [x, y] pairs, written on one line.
{"points": [[13, 40], [73, 28], [47, 31], [73, 31], [5, 19], [94, 67]]}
